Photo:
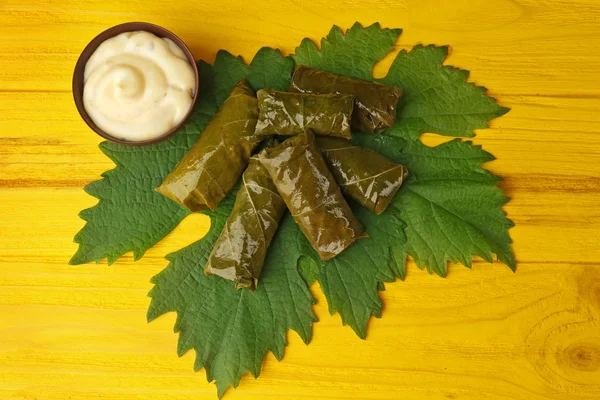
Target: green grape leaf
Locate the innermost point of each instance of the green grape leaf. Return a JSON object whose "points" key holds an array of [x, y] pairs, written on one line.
{"points": [[232, 330], [352, 54], [437, 98], [451, 206]]}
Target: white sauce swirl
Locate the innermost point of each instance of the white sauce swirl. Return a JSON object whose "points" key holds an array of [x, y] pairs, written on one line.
{"points": [[137, 86]]}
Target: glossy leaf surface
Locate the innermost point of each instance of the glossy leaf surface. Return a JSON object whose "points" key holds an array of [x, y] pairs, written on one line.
{"points": [[239, 252], [363, 174], [302, 178], [285, 113], [375, 104], [212, 167]]}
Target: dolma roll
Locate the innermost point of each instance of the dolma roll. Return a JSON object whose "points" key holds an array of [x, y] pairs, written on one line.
{"points": [[309, 190], [285, 113], [363, 174], [214, 164], [374, 103], [240, 250]]}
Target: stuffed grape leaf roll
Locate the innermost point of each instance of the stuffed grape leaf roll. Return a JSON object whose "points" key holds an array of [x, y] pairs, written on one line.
{"points": [[375, 104], [240, 250], [363, 174], [285, 113], [309, 190], [214, 164]]}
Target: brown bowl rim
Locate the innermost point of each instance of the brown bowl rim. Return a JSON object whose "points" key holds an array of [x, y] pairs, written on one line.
{"points": [[78, 75]]}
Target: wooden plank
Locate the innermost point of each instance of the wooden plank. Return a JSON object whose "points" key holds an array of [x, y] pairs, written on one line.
{"points": [[520, 47], [486, 333], [495, 334]]}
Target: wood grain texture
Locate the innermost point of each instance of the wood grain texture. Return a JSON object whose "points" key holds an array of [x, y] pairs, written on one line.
{"points": [[80, 332]]}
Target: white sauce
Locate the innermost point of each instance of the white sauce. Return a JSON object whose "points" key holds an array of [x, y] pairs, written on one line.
{"points": [[137, 86]]}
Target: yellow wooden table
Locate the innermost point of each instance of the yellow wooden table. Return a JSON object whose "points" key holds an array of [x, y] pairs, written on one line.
{"points": [[80, 332]]}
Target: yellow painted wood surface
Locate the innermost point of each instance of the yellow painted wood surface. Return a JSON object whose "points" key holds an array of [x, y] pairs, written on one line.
{"points": [[80, 332]]}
